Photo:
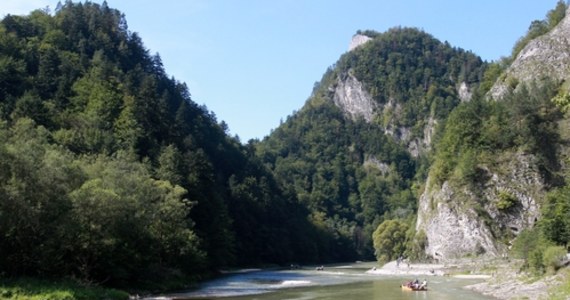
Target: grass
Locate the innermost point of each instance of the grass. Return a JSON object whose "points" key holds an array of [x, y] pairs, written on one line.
{"points": [[561, 291], [35, 289]]}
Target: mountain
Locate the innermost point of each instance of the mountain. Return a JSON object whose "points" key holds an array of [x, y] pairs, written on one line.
{"points": [[111, 173], [355, 152], [418, 148]]}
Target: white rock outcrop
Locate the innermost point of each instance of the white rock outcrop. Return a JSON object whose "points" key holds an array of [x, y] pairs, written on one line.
{"points": [[358, 40], [374, 162], [452, 230], [464, 92], [458, 220], [353, 99], [546, 56]]}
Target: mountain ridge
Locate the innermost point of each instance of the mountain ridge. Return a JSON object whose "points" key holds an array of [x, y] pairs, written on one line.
{"points": [[383, 100]]}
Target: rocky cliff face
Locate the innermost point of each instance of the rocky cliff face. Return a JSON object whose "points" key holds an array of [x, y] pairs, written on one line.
{"points": [[403, 80], [458, 220], [351, 97], [545, 56], [358, 40]]}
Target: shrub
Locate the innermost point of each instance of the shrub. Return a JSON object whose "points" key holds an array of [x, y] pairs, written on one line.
{"points": [[536, 261], [390, 240], [506, 200], [553, 257]]}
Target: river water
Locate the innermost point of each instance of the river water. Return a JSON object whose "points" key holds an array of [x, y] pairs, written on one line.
{"points": [[344, 282]]}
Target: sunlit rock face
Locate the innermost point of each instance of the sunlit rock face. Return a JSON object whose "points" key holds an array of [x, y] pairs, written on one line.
{"points": [[354, 101], [358, 40], [460, 220], [546, 56]]}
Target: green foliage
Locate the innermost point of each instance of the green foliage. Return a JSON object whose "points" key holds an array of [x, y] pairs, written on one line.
{"points": [[492, 73], [459, 143], [31, 289], [531, 245], [536, 261], [416, 244], [416, 70], [562, 101], [561, 291], [390, 240], [526, 242], [109, 172], [95, 217], [555, 221], [524, 121], [553, 257], [506, 201]]}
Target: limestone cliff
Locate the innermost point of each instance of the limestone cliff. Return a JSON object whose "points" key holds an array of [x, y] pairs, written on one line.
{"points": [[545, 56], [355, 102], [358, 40], [460, 219], [351, 97]]}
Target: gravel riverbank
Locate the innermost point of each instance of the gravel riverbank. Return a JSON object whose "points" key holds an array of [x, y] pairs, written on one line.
{"points": [[502, 278]]}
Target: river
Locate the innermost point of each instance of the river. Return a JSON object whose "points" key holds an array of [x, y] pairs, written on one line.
{"points": [[343, 282]]}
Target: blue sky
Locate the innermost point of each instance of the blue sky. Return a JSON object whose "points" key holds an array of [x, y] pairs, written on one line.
{"points": [[254, 62]]}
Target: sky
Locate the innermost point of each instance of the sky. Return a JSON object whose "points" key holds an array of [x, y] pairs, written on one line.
{"points": [[255, 62]]}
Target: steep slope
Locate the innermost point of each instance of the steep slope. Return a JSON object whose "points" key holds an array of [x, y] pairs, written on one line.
{"points": [[497, 160], [111, 173], [546, 56], [410, 81], [354, 151], [459, 219]]}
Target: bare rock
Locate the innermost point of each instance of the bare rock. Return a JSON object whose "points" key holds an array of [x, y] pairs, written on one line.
{"points": [[460, 220], [358, 40], [353, 99], [546, 56]]}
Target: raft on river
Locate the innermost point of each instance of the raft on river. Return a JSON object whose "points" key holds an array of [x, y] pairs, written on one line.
{"points": [[407, 287]]}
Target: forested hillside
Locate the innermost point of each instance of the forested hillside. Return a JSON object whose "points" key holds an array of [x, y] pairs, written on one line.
{"points": [[111, 173], [352, 173]]}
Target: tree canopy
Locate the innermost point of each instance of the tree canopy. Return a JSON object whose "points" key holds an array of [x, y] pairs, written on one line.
{"points": [[111, 173]]}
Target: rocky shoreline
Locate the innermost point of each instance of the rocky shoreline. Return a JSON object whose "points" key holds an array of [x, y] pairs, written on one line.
{"points": [[513, 288], [502, 277]]}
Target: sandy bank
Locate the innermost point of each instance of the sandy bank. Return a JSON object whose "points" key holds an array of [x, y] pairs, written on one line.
{"points": [[472, 276], [509, 284]]}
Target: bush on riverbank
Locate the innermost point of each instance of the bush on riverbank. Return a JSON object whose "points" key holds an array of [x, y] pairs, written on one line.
{"points": [[34, 289]]}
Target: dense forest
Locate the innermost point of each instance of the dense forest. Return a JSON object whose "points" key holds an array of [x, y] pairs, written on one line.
{"points": [[111, 173]]}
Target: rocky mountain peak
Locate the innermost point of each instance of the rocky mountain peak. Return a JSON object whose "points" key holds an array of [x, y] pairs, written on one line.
{"points": [[358, 40]]}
